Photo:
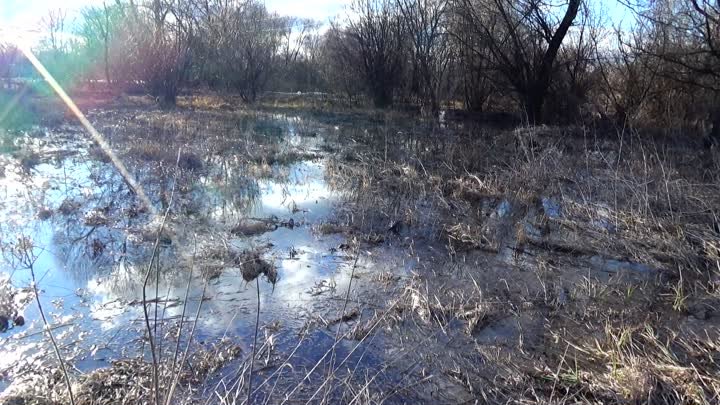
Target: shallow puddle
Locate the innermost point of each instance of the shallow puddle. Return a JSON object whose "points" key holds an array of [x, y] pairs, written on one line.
{"points": [[90, 255]]}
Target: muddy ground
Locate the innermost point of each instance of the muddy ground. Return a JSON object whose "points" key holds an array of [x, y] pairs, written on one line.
{"points": [[394, 259]]}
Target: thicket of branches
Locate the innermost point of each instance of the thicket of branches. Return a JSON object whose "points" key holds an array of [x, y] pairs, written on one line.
{"points": [[545, 60]]}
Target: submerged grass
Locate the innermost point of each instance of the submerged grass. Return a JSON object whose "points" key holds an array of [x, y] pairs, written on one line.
{"points": [[548, 265]]}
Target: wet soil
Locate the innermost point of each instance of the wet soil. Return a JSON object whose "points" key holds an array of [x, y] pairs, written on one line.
{"points": [[393, 259]]}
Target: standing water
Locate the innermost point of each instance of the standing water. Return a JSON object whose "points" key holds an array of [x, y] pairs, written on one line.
{"points": [[70, 219]]}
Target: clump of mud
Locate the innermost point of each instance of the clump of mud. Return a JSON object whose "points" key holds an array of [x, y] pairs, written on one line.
{"points": [[96, 217], [252, 266], [190, 161], [46, 388], [152, 232], [44, 214], [69, 206], [214, 259], [251, 227], [28, 160], [7, 304], [12, 301], [329, 228]]}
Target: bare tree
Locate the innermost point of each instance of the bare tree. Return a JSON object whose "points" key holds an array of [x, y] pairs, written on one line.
{"points": [[294, 35], [627, 77], [148, 45], [54, 26], [372, 43], [9, 58], [167, 50], [298, 68], [523, 39], [312, 59], [685, 44], [576, 75], [58, 50], [241, 42], [425, 23], [337, 61], [476, 80], [98, 28]]}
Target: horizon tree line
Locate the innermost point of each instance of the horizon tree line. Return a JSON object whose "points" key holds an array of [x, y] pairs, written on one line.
{"points": [[549, 61]]}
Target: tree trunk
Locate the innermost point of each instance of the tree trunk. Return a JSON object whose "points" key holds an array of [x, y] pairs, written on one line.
{"points": [[107, 65], [106, 41], [537, 89], [711, 144], [382, 96], [533, 103], [168, 95], [475, 97]]}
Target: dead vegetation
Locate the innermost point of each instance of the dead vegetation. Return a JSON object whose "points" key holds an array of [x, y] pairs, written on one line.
{"points": [[547, 265], [252, 266], [126, 381], [609, 241], [250, 227]]}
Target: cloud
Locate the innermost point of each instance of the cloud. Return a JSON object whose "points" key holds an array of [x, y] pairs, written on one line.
{"points": [[21, 20], [26, 14], [322, 10]]}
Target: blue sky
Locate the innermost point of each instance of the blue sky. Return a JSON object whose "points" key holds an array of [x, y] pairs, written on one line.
{"points": [[22, 17], [25, 15]]}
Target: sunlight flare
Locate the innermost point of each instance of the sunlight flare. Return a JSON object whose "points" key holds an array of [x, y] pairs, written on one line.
{"points": [[97, 137]]}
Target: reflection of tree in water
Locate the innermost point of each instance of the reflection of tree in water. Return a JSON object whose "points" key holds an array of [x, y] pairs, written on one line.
{"points": [[260, 128], [241, 194], [267, 128], [227, 191], [98, 251]]}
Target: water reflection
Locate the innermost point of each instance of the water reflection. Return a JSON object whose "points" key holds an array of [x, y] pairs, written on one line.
{"points": [[91, 272]]}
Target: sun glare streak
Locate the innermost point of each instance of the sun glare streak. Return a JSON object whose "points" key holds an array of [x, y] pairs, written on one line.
{"points": [[137, 188]]}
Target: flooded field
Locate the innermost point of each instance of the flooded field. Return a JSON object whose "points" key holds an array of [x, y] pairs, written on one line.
{"points": [[335, 259], [69, 216]]}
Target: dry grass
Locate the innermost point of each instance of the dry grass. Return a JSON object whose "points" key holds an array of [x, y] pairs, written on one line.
{"points": [[562, 201], [504, 230], [126, 381]]}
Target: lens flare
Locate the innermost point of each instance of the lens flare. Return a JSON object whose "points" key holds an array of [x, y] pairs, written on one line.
{"points": [[97, 137]]}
